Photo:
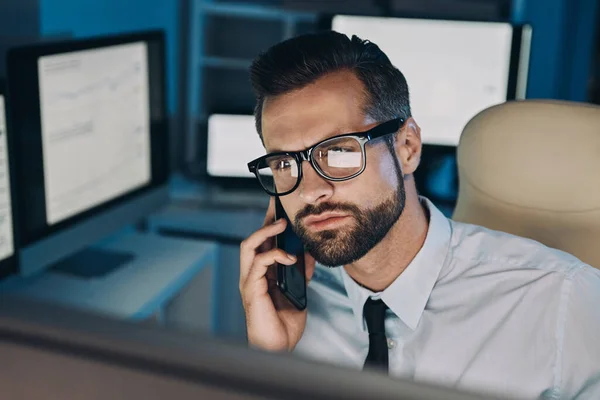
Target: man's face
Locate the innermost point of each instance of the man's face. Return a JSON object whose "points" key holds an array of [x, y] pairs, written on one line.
{"points": [[339, 222]]}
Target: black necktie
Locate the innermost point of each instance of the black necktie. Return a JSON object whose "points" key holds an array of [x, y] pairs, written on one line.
{"points": [[374, 312]]}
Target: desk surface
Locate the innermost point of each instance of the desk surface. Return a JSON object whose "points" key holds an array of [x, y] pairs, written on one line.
{"points": [[161, 268], [235, 224], [212, 196]]}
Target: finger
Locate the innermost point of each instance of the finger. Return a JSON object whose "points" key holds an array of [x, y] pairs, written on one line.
{"points": [[269, 219], [267, 245], [271, 281], [271, 273], [248, 247], [254, 241], [309, 266], [263, 261], [270, 215]]}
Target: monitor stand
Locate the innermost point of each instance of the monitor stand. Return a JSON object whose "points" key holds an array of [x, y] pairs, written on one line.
{"points": [[93, 263]]}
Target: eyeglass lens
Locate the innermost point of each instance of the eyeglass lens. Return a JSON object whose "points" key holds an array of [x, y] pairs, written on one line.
{"points": [[337, 158]]}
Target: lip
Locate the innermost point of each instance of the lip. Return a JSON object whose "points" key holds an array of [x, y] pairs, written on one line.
{"points": [[326, 220]]}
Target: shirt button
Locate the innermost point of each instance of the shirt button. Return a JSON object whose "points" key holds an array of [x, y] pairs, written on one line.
{"points": [[391, 344]]}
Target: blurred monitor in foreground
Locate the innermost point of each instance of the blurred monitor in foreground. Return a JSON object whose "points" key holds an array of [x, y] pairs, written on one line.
{"points": [[59, 353]]}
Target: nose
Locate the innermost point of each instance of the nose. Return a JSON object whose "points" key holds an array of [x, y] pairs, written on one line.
{"points": [[314, 188]]}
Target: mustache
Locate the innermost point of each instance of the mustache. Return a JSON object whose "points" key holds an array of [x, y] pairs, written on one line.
{"points": [[323, 207]]}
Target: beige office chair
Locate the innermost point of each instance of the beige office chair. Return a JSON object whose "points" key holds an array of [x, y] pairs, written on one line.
{"points": [[532, 168]]}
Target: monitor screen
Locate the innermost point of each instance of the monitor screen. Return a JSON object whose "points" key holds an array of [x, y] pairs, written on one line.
{"points": [[95, 120], [454, 69], [6, 223], [232, 143]]}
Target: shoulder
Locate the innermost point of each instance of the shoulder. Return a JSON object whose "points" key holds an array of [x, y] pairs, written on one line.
{"points": [[582, 297], [578, 324], [494, 268], [473, 245]]}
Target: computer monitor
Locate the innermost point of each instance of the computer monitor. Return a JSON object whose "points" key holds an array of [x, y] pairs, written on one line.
{"points": [[232, 143], [8, 259], [454, 69], [59, 353], [91, 141]]}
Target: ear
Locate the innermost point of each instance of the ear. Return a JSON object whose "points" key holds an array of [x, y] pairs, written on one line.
{"points": [[408, 146]]}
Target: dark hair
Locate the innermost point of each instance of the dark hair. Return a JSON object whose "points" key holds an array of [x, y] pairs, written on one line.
{"points": [[299, 61]]}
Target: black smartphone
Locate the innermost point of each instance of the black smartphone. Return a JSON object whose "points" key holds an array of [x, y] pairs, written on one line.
{"points": [[291, 279]]}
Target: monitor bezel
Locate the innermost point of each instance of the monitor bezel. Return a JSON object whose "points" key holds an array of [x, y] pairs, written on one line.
{"points": [[10, 265], [159, 141]]}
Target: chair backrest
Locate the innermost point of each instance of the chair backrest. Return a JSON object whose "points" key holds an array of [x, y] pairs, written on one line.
{"points": [[532, 168]]}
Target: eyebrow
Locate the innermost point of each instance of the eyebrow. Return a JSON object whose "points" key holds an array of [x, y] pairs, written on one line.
{"points": [[338, 133]]}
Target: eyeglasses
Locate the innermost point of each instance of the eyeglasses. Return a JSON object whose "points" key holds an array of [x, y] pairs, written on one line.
{"points": [[339, 158]]}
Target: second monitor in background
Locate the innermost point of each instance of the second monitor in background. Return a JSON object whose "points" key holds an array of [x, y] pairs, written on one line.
{"points": [[232, 143], [90, 127], [454, 69]]}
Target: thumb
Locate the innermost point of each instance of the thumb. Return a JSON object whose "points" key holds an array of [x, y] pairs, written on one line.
{"points": [[309, 266]]}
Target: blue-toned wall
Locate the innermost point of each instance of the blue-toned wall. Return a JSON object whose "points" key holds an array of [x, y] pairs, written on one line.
{"points": [[82, 18], [562, 48]]}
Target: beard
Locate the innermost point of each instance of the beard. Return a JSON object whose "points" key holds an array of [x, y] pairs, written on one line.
{"points": [[349, 244]]}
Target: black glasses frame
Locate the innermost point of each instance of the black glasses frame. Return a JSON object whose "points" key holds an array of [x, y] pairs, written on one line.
{"points": [[383, 129]]}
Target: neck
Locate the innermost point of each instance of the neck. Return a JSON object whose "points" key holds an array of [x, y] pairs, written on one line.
{"points": [[386, 261]]}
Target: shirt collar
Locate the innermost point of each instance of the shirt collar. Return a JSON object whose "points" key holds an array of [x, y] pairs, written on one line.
{"points": [[407, 296]]}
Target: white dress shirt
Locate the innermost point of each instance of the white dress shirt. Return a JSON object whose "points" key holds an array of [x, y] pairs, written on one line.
{"points": [[476, 309]]}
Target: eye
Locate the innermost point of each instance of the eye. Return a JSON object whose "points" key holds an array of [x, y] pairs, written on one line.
{"points": [[283, 165], [340, 149]]}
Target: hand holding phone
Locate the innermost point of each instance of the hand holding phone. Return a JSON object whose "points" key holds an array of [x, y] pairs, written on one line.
{"points": [[273, 321]]}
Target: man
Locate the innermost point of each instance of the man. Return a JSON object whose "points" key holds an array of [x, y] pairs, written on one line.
{"points": [[398, 286]]}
